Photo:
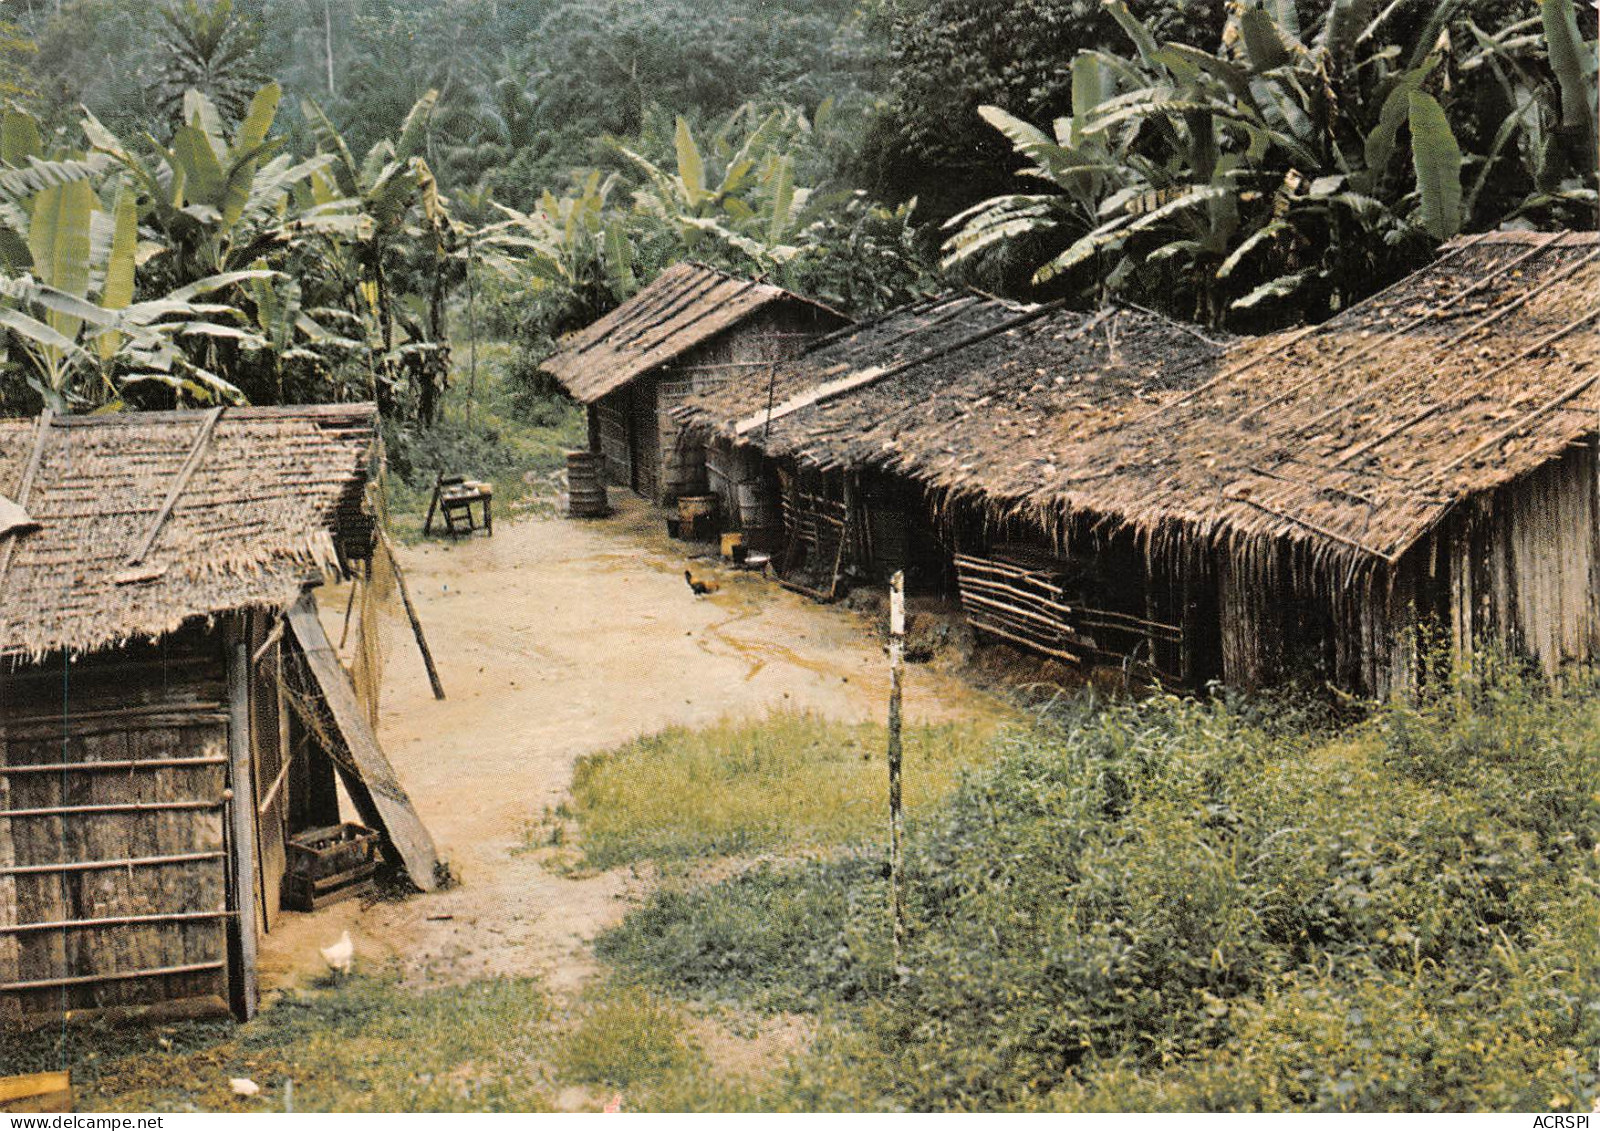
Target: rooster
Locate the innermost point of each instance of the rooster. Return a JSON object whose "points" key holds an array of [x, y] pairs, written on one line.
{"points": [[700, 587]]}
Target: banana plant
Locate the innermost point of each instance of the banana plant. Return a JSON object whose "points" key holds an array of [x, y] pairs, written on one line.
{"points": [[731, 194], [1544, 150], [1252, 174], [223, 202], [402, 252], [69, 252], [571, 243]]}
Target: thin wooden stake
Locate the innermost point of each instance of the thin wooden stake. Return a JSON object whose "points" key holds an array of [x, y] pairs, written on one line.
{"points": [[472, 335], [349, 607], [411, 615], [897, 665]]}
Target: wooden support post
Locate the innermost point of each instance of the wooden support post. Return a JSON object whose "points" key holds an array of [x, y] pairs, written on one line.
{"points": [[897, 665], [242, 823], [349, 608], [411, 615]]}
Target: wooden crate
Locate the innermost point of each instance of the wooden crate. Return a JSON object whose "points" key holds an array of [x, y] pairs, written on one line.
{"points": [[329, 864]]}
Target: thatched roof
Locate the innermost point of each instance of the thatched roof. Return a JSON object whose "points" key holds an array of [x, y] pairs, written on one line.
{"points": [[1351, 439], [687, 305], [964, 388], [149, 519]]}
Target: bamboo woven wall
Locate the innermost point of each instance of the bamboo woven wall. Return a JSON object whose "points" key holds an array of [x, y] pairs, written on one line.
{"points": [[155, 720]]}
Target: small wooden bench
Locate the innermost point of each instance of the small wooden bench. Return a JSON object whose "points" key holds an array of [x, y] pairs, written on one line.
{"points": [[453, 499]]}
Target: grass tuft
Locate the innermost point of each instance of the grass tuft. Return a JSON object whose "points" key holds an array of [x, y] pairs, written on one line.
{"points": [[628, 1036], [786, 782], [1176, 905]]}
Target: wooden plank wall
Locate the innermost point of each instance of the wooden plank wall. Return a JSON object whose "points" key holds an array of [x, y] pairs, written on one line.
{"points": [[269, 755], [644, 438], [741, 354], [1522, 567], [154, 719], [610, 416]]}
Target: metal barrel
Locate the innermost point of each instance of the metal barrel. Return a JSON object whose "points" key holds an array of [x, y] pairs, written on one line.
{"points": [[759, 511], [586, 485]]}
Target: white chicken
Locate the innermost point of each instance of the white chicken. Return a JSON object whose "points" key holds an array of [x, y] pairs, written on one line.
{"points": [[244, 1086], [340, 956]]}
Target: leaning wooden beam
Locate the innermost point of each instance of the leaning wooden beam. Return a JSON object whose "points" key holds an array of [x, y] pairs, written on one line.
{"points": [[993, 629], [242, 820], [391, 807], [197, 452]]}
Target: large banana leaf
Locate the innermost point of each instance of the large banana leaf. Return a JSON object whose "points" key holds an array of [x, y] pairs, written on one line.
{"points": [[117, 292], [414, 131], [252, 131], [58, 240], [1437, 158], [1574, 64], [691, 167]]}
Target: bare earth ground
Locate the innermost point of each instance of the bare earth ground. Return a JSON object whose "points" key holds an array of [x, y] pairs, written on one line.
{"points": [[553, 639]]}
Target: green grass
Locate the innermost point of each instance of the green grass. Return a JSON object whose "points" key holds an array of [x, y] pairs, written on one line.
{"points": [[1174, 905], [783, 783], [368, 1045], [517, 440], [626, 1036]]}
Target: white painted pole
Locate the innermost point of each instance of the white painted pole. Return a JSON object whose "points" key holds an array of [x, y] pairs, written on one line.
{"points": [[897, 663]]}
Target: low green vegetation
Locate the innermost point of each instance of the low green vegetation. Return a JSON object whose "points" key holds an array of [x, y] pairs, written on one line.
{"points": [[515, 437], [1183, 905], [783, 783], [626, 1036], [367, 1045]]}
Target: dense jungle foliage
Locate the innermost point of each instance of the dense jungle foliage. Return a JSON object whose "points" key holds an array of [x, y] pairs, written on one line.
{"points": [[279, 200]]}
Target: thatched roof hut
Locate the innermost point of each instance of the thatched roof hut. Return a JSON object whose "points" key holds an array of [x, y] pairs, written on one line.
{"points": [[148, 519], [171, 713], [694, 328], [961, 389], [1449, 418], [879, 420]]}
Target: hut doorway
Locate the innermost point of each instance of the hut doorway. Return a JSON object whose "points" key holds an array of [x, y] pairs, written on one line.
{"points": [[644, 439]]}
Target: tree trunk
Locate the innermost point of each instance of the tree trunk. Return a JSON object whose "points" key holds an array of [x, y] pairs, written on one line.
{"points": [[327, 42]]}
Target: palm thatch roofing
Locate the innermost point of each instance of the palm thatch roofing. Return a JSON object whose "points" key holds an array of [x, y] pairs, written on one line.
{"points": [[686, 305], [964, 389], [1351, 439], [146, 520]]}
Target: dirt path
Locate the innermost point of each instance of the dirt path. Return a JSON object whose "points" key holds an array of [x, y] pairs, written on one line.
{"points": [[556, 638]]}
